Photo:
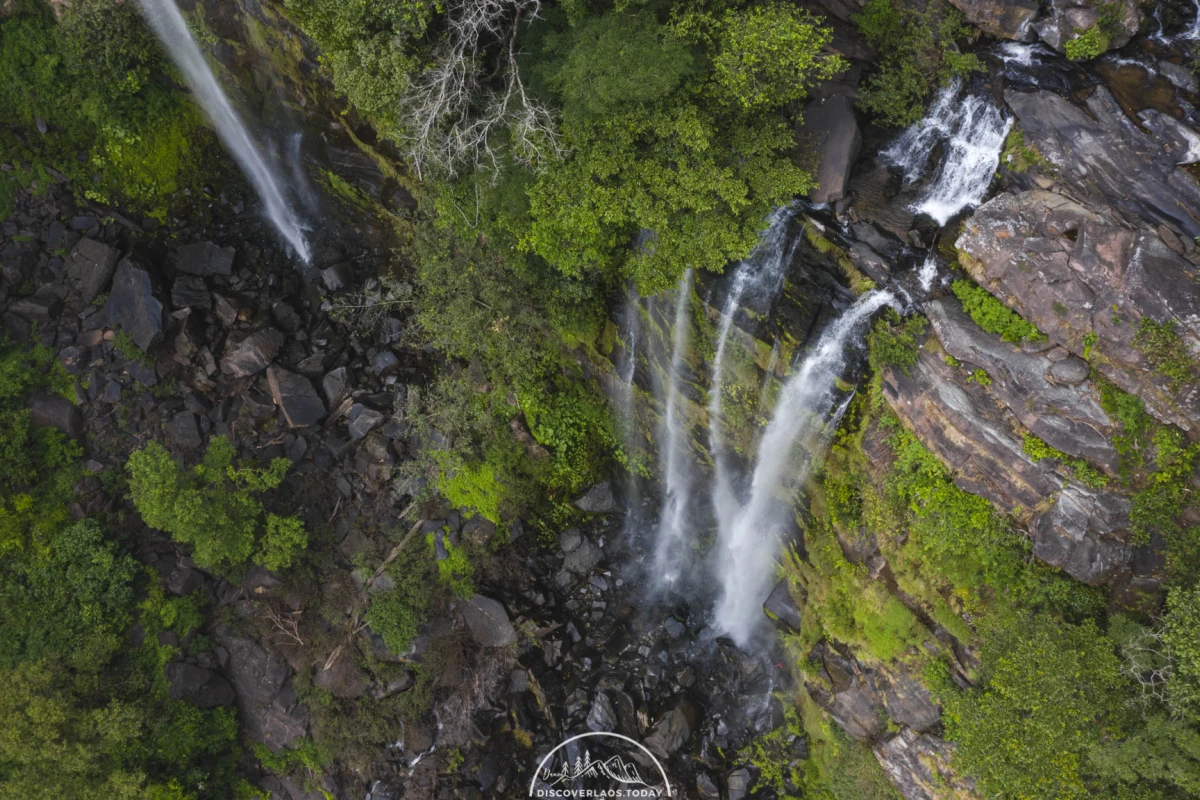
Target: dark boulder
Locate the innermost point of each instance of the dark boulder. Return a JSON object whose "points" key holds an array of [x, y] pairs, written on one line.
{"points": [[252, 354], [205, 259], [197, 685], [190, 291], [268, 706], [90, 267], [296, 397], [780, 606], [134, 305], [183, 431], [831, 131], [58, 412], [488, 622], [598, 500]]}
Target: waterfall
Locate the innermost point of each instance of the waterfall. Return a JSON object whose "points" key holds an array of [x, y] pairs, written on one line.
{"points": [[927, 273], [677, 474], [172, 30], [748, 546], [973, 131], [763, 269]]}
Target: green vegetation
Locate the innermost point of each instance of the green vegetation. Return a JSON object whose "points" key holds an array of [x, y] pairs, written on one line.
{"points": [[214, 507], [992, 315], [455, 570], [396, 613], [96, 82], [87, 712], [1087, 44], [1166, 351], [1020, 157], [1082, 471], [917, 53], [893, 341]]}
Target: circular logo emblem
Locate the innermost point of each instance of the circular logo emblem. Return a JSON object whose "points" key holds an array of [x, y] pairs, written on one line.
{"points": [[599, 766]]}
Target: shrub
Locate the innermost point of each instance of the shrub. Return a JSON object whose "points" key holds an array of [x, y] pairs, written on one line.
{"points": [[893, 342], [992, 315], [214, 507], [396, 613], [1087, 44], [1180, 625]]}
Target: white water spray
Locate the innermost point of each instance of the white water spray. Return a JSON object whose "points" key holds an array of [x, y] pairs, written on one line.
{"points": [[748, 547], [973, 131], [172, 30], [927, 273], [677, 474], [762, 270]]}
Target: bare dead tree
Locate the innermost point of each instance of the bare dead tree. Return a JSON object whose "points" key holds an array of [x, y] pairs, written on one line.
{"points": [[1147, 660], [453, 112], [285, 626]]}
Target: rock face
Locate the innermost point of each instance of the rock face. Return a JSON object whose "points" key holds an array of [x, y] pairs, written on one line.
{"points": [[1107, 161], [1068, 18], [199, 686], [1065, 416], [1081, 531], [780, 606], [268, 706], [1077, 274], [1004, 19], [134, 305], [91, 267], [296, 397], [831, 130], [919, 766]]}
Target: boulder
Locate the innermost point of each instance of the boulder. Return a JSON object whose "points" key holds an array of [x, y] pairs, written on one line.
{"points": [[190, 291], [205, 259], [583, 559], [362, 420], [488, 622], [1004, 19], [58, 412], [134, 304], [1065, 414], [198, 686], [602, 717], [90, 267], [670, 734], [1107, 161], [1086, 280], [253, 354], [598, 500], [780, 606], [296, 397], [343, 679], [184, 431], [918, 765], [268, 707], [43, 306], [830, 130]]}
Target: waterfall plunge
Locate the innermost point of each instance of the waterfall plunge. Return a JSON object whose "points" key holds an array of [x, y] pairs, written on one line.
{"points": [[974, 131], [747, 547], [172, 30]]}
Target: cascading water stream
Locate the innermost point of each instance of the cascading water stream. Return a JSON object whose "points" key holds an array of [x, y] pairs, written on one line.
{"points": [[677, 474], [172, 30], [762, 269], [748, 546], [973, 131]]}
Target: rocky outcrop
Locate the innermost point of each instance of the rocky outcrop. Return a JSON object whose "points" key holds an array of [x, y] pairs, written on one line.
{"points": [[252, 354], [919, 767], [269, 710], [1043, 389], [204, 259], [1082, 278], [1004, 19], [780, 606], [831, 132], [1106, 161], [90, 267], [1081, 531]]}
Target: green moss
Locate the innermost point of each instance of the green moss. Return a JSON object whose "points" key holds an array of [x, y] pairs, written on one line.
{"points": [[1084, 472], [130, 351], [1166, 351], [1019, 157], [1087, 44], [455, 570], [992, 315]]}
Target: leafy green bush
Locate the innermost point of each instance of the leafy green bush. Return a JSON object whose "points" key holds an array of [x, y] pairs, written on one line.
{"points": [[1180, 624], [992, 315], [396, 613], [214, 507], [1087, 44], [893, 342]]}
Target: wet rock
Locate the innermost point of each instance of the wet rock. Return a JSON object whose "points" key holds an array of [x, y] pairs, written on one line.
{"points": [[598, 500], [362, 420], [134, 305], [43, 307], [570, 539], [286, 317], [602, 717], [57, 412], [706, 787], [909, 703], [336, 278], [90, 267], [334, 384], [1083, 534], [583, 559], [205, 259], [918, 765], [1086, 281], [670, 734], [780, 606], [184, 431], [1066, 415], [1004, 19], [190, 291], [296, 397], [198, 686], [268, 707], [831, 131], [253, 354], [488, 622]]}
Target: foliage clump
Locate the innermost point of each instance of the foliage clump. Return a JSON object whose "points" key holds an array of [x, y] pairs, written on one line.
{"points": [[1084, 472], [214, 507], [895, 341], [1166, 351], [992, 315]]}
